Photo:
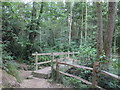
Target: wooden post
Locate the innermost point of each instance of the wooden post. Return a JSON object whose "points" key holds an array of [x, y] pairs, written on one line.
{"points": [[36, 61], [94, 76], [73, 56], [57, 70], [68, 54], [52, 58]]}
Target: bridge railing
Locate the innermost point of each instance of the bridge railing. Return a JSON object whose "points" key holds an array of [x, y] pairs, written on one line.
{"points": [[52, 57], [94, 70]]}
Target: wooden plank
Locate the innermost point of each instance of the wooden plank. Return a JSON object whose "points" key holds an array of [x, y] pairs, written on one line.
{"points": [[45, 62], [57, 53], [79, 78], [77, 66], [110, 74]]}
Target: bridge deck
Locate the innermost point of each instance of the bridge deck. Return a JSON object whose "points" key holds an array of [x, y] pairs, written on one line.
{"points": [[43, 73]]}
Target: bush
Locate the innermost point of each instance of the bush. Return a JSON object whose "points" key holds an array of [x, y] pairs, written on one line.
{"points": [[108, 82]]}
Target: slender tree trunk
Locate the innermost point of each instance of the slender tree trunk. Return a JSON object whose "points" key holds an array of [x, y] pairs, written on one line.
{"points": [[86, 23], [39, 19], [99, 30], [81, 28], [110, 30], [114, 43], [70, 23], [32, 35]]}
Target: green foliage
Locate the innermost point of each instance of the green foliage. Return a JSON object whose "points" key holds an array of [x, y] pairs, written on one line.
{"points": [[43, 58], [87, 55], [69, 81], [6, 56], [115, 66], [108, 82]]}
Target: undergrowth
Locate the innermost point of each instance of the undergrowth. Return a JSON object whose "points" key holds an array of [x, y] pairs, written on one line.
{"points": [[11, 69]]}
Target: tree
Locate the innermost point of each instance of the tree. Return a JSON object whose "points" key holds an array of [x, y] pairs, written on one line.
{"points": [[99, 30], [86, 25], [70, 21], [110, 30]]}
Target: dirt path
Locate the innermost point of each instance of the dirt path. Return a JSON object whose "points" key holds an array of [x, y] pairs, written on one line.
{"points": [[37, 82]]}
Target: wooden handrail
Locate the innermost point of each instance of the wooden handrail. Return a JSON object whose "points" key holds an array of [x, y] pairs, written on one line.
{"points": [[94, 82], [56, 53], [110, 74], [45, 62], [116, 56], [81, 79], [77, 66], [89, 68]]}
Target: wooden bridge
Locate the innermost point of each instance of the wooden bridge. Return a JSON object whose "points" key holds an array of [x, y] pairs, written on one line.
{"points": [[47, 71], [63, 64]]}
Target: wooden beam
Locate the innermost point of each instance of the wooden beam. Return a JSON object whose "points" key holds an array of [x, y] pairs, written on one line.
{"points": [[110, 74], [77, 66]]}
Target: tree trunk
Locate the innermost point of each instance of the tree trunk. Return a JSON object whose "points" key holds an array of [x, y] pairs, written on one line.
{"points": [[70, 22], [99, 30], [81, 27], [32, 34], [39, 19], [110, 30], [86, 23]]}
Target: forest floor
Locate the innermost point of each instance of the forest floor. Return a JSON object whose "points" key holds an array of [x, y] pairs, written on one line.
{"points": [[37, 82]]}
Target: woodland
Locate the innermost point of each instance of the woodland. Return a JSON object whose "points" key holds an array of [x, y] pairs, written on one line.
{"points": [[90, 28]]}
